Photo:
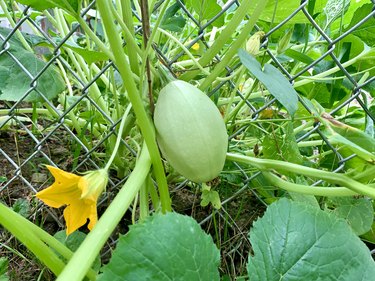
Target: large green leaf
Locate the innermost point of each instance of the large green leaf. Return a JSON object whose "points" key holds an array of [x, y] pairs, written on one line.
{"points": [[90, 56], [273, 80], [295, 241], [164, 247], [72, 6], [15, 82]]}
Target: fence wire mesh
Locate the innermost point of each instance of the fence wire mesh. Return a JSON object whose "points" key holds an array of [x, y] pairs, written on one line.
{"points": [[51, 135]]}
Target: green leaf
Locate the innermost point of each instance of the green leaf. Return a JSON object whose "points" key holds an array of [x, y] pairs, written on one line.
{"points": [[282, 146], [358, 212], [22, 207], [370, 235], [164, 247], [210, 196], [273, 80], [336, 26], [14, 82], [298, 56], [206, 10], [4, 269], [73, 241], [71, 6], [171, 21], [277, 11], [293, 241], [335, 9], [349, 137], [366, 31]]}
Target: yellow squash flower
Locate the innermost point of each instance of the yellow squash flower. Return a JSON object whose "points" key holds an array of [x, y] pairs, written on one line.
{"points": [[78, 193], [195, 47]]}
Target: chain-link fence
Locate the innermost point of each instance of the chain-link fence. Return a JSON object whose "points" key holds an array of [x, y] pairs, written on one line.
{"points": [[73, 131]]}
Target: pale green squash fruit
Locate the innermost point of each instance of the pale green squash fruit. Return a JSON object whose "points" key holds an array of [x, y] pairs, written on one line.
{"points": [[190, 131]]}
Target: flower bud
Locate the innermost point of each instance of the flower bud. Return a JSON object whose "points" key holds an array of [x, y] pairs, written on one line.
{"points": [[93, 184], [253, 44]]}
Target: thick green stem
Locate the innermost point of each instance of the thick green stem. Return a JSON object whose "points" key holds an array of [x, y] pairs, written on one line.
{"points": [[24, 230], [11, 221], [143, 119], [282, 166], [91, 246], [132, 46], [310, 190]]}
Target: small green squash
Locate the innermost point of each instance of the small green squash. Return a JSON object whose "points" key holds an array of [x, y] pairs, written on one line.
{"points": [[190, 131]]}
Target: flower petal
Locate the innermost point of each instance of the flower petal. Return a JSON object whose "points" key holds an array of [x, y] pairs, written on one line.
{"points": [[93, 217], [63, 191], [77, 213]]}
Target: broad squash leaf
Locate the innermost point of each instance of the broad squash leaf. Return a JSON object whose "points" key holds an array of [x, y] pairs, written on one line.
{"points": [[164, 247], [295, 241], [15, 81]]}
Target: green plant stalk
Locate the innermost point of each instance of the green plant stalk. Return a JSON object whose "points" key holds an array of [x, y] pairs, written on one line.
{"points": [[235, 45], [309, 190], [223, 38], [282, 166], [85, 255], [233, 113], [10, 220], [310, 143], [364, 174], [81, 65], [8, 216], [227, 115], [94, 38], [129, 35], [153, 194], [131, 46], [118, 139], [62, 99], [143, 119], [13, 24], [186, 51], [143, 201], [82, 122]]}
